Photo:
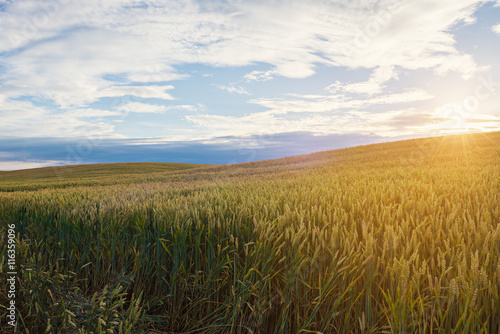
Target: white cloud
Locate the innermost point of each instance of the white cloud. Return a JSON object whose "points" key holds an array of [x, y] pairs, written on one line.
{"points": [[187, 107], [374, 85], [412, 35], [295, 69], [157, 72], [16, 165], [233, 88], [22, 119], [139, 91], [259, 75], [319, 114], [140, 107], [266, 123], [496, 28], [91, 113], [338, 102]]}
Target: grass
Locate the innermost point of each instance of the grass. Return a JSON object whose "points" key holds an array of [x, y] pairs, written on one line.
{"points": [[83, 175], [398, 237]]}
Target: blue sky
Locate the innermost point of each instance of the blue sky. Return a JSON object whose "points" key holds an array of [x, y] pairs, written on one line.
{"points": [[234, 81]]}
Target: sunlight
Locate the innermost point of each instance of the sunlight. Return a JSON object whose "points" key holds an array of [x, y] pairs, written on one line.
{"points": [[459, 120]]}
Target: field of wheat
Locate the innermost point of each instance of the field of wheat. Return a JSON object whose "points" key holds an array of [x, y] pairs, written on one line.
{"points": [[399, 237]]}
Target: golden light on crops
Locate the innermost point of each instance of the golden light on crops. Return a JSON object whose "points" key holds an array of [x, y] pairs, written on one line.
{"points": [[375, 238]]}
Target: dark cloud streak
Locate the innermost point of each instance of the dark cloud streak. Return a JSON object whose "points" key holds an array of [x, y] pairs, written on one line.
{"points": [[226, 150]]}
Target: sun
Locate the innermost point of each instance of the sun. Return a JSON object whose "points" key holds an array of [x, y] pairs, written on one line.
{"points": [[456, 118]]}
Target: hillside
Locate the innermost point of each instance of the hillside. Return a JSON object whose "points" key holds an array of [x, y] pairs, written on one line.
{"points": [[400, 237], [374, 155], [86, 175]]}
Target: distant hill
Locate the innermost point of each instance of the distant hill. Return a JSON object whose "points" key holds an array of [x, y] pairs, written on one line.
{"points": [[400, 237], [91, 174], [383, 154]]}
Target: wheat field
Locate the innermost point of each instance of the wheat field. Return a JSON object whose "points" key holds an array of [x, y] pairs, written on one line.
{"points": [[399, 237]]}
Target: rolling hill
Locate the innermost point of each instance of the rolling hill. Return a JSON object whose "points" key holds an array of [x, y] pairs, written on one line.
{"points": [[395, 237]]}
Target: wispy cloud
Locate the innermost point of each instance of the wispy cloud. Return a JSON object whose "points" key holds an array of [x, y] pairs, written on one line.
{"points": [[260, 75], [233, 88], [334, 102], [374, 85], [139, 91], [91, 113], [16, 165], [24, 119], [326, 114], [139, 107]]}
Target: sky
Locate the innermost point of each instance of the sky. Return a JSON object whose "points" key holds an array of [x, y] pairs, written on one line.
{"points": [[229, 81]]}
